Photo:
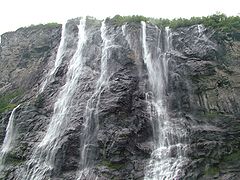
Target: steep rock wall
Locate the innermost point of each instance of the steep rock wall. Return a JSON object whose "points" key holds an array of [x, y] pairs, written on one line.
{"points": [[202, 92]]}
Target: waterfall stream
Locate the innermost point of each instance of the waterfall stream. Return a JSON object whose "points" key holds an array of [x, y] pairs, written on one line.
{"points": [[91, 114], [168, 155], [9, 138], [58, 60], [42, 161]]}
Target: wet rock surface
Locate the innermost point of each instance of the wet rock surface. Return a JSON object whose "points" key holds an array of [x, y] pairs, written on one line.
{"points": [[202, 92]]}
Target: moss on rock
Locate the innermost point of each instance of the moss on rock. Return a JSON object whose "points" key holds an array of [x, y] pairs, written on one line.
{"points": [[111, 165], [211, 171], [7, 100]]}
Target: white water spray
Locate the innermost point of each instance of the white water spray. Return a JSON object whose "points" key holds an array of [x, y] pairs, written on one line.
{"points": [[200, 29], [168, 155], [201, 34], [91, 114], [58, 60], [9, 139], [42, 161]]}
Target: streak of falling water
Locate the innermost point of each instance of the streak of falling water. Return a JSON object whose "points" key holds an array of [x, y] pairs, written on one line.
{"points": [[58, 60], [168, 155], [42, 161], [201, 34], [168, 47], [200, 29], [90, 125], [124, 29], [8, 139]]}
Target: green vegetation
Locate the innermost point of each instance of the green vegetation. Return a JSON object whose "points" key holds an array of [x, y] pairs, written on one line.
{"points": [[232, 157], [120, 20], [211, 114], [228, 26], [12, 159], [7, 98], [211, 171], [114, 166], [227, 159], [48, 25]]}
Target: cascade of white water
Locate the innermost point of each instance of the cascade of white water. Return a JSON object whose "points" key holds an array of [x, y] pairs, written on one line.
{"points": [[200, 29], [9, 138], [42, 161], [126, 36], [58, 60], [168, 155], [90, 125], [201, 34], [124, 29], [168, 47]]}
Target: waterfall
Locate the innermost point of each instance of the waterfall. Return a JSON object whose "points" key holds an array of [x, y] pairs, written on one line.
{"points": [[201, 34], [126, 35], [58, 60], [9, 138], [124, 29], [168, 155], [42, 161], [200, 29], [90, 125]]}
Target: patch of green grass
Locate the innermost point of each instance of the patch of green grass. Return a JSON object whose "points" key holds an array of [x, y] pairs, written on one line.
{"points": [[232, 157], [211, 171], [7, 98], [12, 159], [212, 114], [114, 166]]}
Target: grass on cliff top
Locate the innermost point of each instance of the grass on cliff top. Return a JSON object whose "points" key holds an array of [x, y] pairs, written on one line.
{"points": [[219, 21], [114, 166], [6, 100], [48, 25]]}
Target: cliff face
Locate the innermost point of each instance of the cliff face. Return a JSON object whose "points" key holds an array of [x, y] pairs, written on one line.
{"points": [[24, 53], [107, 130]]}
